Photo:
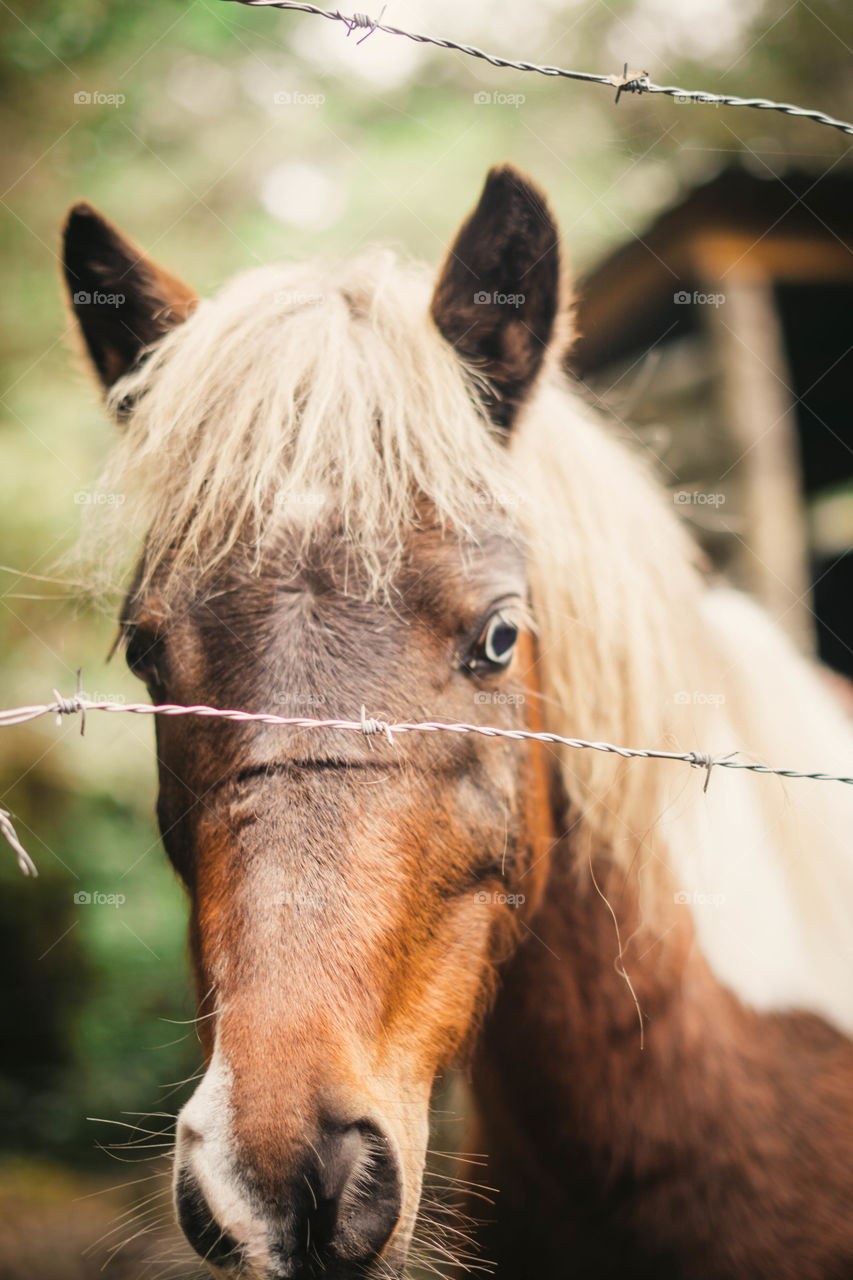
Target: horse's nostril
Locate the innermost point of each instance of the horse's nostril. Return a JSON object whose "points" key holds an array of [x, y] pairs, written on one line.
{"points": [[199, 1226], [363, 1179], [342, 1205]]}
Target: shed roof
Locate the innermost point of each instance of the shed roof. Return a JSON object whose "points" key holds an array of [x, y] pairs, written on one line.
{"points": [[795, 227]]}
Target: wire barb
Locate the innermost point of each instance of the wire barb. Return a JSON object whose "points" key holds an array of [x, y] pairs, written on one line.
{"points": [[70, 706], [369, 727], [635, 83], [362, 20], [703, 760]]}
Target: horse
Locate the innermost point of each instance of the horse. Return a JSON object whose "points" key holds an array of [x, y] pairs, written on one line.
{"points": [[349, 485]]}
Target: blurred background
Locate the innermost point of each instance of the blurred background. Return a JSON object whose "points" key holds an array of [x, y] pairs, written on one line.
{"points": [[712, 251]]}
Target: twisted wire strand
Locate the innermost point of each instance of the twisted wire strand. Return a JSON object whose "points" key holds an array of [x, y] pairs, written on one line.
{"points": [[370, 727], [627, 82]]}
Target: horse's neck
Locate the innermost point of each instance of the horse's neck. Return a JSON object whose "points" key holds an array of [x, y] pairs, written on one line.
{"points": [[584, 1003], [587, 1126]]}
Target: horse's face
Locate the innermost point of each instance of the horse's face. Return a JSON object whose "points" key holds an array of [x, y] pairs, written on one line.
{"points": [[350, 896]]}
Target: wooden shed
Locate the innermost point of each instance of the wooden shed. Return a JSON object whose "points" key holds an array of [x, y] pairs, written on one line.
{"points": [[723, 338]]}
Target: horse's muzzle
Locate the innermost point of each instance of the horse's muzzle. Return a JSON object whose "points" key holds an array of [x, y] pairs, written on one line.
{"points": [[331, 1217]]}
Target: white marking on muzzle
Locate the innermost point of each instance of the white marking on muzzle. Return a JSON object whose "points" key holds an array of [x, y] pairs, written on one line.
{"points": [[205, 1146]]}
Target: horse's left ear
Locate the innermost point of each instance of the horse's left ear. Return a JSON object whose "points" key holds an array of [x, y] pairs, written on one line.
{"points": [[498, 294], [121, 299]]}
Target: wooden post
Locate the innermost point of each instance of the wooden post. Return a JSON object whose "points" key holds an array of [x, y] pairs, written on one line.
{"points": [[758, 412]]}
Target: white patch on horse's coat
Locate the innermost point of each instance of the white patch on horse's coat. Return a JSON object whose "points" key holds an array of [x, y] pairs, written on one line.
{"points": [[767, 864], [205, 1146]]}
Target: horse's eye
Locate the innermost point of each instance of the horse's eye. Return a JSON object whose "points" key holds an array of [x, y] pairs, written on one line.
{"points": [[144, 652], [495, 646]]}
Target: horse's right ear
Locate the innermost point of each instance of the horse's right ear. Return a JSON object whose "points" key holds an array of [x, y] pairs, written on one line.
{"points": [[498, 294], [122, 301]]}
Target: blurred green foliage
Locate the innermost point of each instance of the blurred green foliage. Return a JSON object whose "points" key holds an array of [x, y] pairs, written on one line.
{"points": [[219, 154]]}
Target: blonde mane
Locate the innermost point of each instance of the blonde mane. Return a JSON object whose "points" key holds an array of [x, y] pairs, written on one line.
{"points": [[304, 393], [638, 649], [300, 395]]}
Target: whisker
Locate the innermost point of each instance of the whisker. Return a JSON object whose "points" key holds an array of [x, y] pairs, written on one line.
{"points": [[128, 1219], [119, 1186]]}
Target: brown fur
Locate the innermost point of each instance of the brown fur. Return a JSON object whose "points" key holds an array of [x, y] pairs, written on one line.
{"points": [[723, 1148]]}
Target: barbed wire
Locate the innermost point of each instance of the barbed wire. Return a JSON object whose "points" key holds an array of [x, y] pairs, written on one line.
{"points": [[369, 727], [627, 82]]}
